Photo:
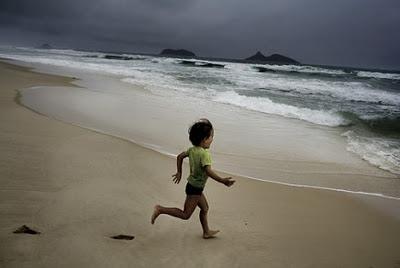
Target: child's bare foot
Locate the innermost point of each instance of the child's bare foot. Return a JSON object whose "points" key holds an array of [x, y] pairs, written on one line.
{"points": [[156, 213], [210, 234]]}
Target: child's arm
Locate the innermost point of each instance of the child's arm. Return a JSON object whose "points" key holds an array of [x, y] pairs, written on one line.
{"points": [[227, 181], [179, 161]]}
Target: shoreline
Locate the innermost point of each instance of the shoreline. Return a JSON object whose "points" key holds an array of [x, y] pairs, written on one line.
{"points": [[167, 154], [282, 168], [160, 77], [35, 68], [88, 186]]}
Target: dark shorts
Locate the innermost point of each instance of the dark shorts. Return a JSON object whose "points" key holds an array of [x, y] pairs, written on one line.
{"points": [[191, 190]]}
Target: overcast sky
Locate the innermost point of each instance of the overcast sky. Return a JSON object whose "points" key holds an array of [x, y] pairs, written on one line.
{"points": [[341, 32]]}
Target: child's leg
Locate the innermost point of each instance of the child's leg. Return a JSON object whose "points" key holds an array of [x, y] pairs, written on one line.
{"points": [[207, 233], [190, 205]]}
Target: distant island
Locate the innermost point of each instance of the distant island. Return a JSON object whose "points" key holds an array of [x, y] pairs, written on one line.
{"points": [[256, 58], [177, 53], [274, 58]]}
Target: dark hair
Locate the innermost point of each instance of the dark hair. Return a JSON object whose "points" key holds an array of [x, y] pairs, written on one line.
{"points": [[199, 131]]}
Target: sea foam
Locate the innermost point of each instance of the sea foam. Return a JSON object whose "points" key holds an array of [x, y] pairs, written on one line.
{"points": [[381, 152], [265, 105], [379, 75]]}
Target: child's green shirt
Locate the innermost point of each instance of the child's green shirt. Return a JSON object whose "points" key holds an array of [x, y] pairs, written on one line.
{"points": [[198, 159]]}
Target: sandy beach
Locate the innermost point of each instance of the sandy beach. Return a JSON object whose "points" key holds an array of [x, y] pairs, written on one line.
{"points": [[79, 188]]}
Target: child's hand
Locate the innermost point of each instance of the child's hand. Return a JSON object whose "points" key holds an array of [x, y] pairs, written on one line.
{"points": [[228, 181], [177, 177]]}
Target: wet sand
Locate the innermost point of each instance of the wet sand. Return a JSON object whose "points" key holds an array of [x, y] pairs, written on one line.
{"points": [[79, 188]]}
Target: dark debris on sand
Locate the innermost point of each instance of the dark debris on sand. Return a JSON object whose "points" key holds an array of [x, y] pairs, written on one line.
{"points": [[25, 230], [123, 237]]}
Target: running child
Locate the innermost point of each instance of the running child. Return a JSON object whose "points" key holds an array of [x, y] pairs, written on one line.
{"points": [[201, 135]]}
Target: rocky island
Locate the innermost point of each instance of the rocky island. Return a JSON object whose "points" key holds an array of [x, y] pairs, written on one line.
{"points": [[274, 58]]}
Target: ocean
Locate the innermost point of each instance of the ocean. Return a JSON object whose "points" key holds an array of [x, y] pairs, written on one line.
{"points": [[323, 109]]}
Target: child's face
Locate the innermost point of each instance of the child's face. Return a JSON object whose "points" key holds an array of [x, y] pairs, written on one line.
{"points": [[206, 143]]}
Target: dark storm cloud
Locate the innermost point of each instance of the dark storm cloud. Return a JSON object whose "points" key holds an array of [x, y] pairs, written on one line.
{"points": [[352, 32]]}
